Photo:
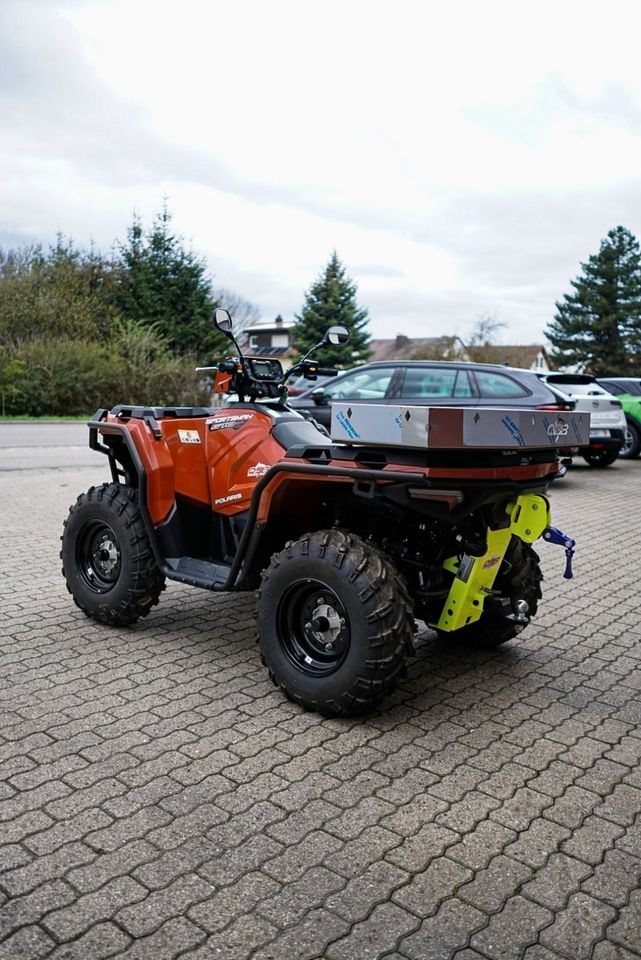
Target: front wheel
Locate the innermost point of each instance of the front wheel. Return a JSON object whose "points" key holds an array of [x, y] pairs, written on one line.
{"points": [[335, 623], [107, 558]]}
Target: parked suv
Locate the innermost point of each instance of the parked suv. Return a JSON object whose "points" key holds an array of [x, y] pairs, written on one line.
{"points": [[628, 391], [432, 382], [607, 419]]}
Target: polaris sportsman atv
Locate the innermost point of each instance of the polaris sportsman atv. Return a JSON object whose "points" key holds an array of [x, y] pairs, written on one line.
{"points": [[347, 543]]}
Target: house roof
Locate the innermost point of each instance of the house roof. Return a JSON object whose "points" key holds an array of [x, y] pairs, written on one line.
{"points": [[516, 355], [407, 348], [403, 348], [270, 326]]}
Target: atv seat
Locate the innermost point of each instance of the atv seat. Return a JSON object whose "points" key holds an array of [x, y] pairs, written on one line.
{"points": [[297, 435], [125, 411]]}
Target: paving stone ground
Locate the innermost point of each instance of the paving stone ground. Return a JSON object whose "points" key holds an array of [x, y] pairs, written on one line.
{"points": [[159, 799]]}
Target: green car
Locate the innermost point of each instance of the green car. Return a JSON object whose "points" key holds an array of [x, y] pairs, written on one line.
{"points": [[628, 391]]}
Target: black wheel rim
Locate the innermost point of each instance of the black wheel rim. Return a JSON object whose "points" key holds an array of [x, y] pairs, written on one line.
{"points": [[98, 556], [313, 627]]}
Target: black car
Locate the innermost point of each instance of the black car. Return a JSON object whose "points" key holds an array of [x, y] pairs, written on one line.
{"points": [[432, 382]]}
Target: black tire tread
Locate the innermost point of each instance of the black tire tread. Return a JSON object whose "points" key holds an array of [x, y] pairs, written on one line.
{"points": [[146, 582], [599, 461], [388, 609]]}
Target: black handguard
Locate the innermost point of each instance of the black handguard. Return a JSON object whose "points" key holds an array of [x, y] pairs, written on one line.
{"points": [[326, 372]]}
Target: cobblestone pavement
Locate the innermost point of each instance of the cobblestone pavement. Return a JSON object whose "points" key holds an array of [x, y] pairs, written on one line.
{"points": [[159, 798]]}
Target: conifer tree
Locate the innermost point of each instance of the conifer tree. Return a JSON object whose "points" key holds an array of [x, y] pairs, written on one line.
{"points": [[167, 285], [331, 300], [598, 327]]}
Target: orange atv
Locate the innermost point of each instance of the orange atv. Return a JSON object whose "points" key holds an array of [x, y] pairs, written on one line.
{"points": [[346, 542]]}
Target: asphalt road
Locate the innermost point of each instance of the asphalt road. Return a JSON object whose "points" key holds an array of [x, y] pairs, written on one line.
{"points": [[46, 446], [160, 799]]}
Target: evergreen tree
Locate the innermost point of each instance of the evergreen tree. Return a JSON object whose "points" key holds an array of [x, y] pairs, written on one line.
{"points": [[598, 327], [167, 285], [331, 300]]}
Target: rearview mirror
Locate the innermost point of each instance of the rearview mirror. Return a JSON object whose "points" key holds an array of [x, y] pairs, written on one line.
{"points": [[319, 396], [222, 321], [337, 335]]}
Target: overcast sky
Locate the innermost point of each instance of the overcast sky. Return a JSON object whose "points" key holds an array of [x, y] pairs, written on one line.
{"points": [[462, 158]]}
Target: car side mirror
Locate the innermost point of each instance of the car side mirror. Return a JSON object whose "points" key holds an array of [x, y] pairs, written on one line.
{"points": [[319, 396]]}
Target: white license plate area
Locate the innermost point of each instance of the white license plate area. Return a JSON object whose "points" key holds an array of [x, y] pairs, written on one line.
{"points": [[612, 417]]}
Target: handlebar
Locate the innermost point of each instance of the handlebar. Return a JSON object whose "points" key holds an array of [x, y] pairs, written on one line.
{"points": [[260, 377]]}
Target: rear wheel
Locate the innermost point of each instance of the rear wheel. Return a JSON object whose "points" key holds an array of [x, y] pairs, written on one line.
{"points": [[601, 458], [335, 623], [518, 579], [631, 443], [107, 558]]}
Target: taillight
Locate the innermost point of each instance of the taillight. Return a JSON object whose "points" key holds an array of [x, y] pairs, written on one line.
{"points": [[616, 403], [555, 406]]}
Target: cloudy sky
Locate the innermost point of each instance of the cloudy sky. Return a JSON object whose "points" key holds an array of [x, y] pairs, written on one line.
{"points": [[462, 158]]}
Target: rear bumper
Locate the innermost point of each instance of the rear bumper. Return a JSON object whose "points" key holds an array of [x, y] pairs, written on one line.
{"points": [[612, 443]]}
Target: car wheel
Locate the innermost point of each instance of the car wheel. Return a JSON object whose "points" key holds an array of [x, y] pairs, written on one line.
{"points": [[601, 458], [632, 442]]}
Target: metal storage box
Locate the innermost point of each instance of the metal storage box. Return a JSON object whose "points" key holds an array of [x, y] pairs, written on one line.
{"points": [[454, 428]]}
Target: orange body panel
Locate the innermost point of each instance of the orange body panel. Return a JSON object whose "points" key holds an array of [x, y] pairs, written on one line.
{"points": [[217, 461], [173, 465], [239, 451], [533, 471]]}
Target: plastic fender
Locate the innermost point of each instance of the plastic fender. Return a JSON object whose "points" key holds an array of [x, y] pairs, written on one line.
{"points": [[239, 451], [159, 469], [185, 441]]}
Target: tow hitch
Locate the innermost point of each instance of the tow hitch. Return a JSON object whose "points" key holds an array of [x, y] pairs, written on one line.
{"points": [[554, 535]]}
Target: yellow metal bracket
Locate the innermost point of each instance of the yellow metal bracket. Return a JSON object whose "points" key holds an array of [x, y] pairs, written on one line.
{"points": [[474, 576]]}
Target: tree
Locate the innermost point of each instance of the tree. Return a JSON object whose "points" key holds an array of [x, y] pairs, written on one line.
{"points": [[243, 312], [80, 330], [441, 348], [481, 343], [331, 300], [598, 327], [167, 285], [10, 370]]}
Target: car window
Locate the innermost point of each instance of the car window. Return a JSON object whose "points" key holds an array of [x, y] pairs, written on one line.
{"points": [[463, 386], [617, 387], [428, 382], [589, 389], [361, 385], [498, 385]]}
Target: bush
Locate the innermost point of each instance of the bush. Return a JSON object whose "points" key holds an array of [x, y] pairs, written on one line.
{"points": [[58, 376], [147, 371]]}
